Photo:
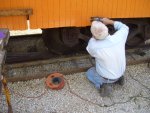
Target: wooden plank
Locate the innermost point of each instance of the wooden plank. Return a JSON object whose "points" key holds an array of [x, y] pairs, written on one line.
{"points": [[84, 18], [56, 13], [44, 7], [62, 13], [65, 72], [33, 18], [73, 6], [31, 77], [79, 13], [68, 13], [16, 12], [49, 61]]}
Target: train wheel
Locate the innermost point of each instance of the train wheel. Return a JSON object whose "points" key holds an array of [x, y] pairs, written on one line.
{"points": [[62, 40], [136, 34]]}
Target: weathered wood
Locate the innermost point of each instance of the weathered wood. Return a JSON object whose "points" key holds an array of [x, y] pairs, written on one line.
{"points": [[48, 61], [75, 70], [31, 56], [70, 71], [16, 12]]}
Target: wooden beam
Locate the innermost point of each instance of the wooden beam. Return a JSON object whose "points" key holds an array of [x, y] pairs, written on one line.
{"points": [[65, 72], [16, 12], [48, 61], [31, 77]]}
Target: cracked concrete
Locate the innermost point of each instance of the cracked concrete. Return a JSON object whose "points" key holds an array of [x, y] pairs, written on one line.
{"points": [[133, 97]]}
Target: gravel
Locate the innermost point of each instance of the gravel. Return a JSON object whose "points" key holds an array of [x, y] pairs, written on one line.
{"points": [[133, 97]]}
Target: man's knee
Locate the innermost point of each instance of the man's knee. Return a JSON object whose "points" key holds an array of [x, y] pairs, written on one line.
{"points": [[90, 71]]}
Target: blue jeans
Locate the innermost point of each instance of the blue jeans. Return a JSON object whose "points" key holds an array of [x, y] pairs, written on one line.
{"points": [[96, 79]]}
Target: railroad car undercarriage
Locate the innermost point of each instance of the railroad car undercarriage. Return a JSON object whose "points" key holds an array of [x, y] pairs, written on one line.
{"points": [[65, 40], [70, 40]]}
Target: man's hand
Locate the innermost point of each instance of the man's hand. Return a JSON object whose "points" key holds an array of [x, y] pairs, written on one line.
{"points": [[107, 21]]}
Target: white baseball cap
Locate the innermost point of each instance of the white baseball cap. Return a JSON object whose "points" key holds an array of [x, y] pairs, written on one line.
{"points": [[99, 30]]}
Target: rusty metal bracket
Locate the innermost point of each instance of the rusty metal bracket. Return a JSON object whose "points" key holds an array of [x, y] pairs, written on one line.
{"points": [[16, 12]]}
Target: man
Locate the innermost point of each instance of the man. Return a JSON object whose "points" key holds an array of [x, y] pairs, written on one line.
{"points": [[109, 53]]}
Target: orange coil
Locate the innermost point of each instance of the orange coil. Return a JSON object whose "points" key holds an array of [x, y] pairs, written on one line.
{"points": [[55, 81]]}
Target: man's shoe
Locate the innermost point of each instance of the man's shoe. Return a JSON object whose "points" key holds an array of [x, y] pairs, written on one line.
{"points": [[105, 90], [120, 81]]}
